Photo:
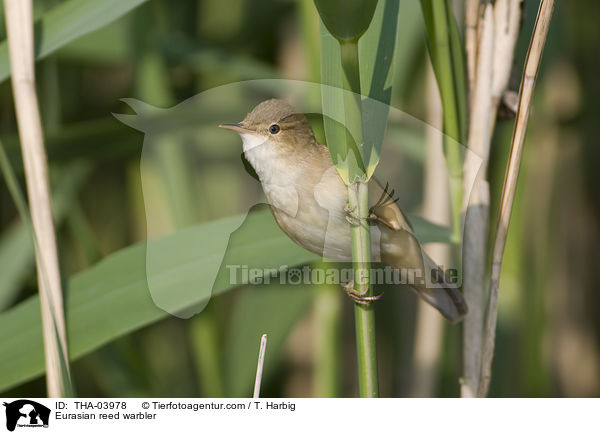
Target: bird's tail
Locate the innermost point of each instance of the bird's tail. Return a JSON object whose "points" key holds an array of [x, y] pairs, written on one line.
{"points": [[446, 297]]}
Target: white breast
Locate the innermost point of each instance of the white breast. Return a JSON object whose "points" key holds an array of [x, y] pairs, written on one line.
{"points": [[321, 226], [278, 185]]}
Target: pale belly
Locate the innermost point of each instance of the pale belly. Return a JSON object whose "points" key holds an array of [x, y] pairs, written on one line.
{"points": [[315, 219], [318, 235]]}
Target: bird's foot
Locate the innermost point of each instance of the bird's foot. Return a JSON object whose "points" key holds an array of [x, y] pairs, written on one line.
{"points": [[352, 216], [360, 297], [354, 219]]}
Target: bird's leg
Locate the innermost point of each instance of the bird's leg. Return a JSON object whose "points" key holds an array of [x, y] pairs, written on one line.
{"points": [[360, 297], [352, 216], [354, 219]]}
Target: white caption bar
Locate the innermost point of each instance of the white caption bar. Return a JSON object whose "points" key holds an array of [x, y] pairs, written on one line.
{"points": [[151, 415]]}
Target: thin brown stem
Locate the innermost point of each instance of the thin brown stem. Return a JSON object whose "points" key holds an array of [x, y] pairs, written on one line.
{"points": [[19, 25], [495, 32], [532, 64]]}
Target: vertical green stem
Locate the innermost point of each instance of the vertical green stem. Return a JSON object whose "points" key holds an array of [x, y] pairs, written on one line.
{"points": [[358, 200], [364, 315], [448, 73], [452, 130], [352, 108]]}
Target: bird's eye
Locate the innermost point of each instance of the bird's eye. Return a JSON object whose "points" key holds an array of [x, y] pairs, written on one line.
{"points": [[274, 129]]}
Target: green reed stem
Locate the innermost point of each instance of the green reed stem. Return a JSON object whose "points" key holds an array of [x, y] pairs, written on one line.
{"points": [[364, 315], [358, 201], [449, 72]]}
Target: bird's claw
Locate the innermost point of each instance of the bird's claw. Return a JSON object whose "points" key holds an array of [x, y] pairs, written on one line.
{"points": [[350, 219], [353, 218], [360, 297]]}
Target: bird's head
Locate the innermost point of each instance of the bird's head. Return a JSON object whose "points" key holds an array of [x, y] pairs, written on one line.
{"points": [[276, 123]]}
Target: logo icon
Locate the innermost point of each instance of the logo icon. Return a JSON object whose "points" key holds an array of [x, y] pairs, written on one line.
{"points": [[26, 413]]}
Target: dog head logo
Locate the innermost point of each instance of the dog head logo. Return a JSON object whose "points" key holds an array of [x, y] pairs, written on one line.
{"points": [[26, 413]]}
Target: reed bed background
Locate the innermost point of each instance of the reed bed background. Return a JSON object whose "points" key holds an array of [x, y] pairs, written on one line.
{"points": [[90, 55]]}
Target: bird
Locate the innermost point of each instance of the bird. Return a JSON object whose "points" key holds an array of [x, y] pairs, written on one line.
{"points": [[309, 201]]}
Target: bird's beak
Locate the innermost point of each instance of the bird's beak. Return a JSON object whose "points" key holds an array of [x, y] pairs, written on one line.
{"points": [[238, 128]]}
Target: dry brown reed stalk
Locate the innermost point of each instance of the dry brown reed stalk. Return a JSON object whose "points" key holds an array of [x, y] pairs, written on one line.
{"points": [[490, 39], [530, 72], [19, 26], [476, 213]]}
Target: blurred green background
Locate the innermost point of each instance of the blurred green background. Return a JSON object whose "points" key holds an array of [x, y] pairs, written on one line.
{"points": [[164, 52]]}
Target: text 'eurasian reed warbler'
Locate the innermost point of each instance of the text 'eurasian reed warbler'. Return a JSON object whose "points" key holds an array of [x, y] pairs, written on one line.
{"points": [[309, 201]]}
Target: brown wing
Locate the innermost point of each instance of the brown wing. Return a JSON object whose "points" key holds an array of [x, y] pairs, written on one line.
{"points": [[403, 250], [384, 208]]}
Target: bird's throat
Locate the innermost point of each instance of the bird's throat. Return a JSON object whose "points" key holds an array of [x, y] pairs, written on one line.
{"points": [[266, 157]]}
